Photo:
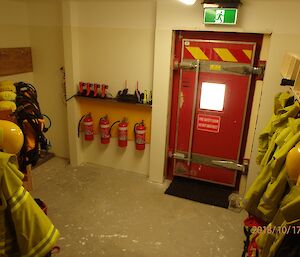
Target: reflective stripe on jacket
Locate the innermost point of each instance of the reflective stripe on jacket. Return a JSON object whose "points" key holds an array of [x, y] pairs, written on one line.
{"points": [[285, 221], [265, 194], [26, 230]]}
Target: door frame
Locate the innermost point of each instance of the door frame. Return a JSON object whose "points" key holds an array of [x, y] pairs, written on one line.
{"points": [[236, 37]]}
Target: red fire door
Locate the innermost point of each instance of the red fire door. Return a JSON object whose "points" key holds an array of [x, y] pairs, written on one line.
{"points": [[211, 91]]}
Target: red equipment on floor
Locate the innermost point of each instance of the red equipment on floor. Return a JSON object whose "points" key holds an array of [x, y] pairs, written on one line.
{"points": [[140, 136], [104, 130]]}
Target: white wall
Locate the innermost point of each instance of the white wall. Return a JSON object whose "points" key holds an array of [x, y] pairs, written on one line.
{"points": [[38, 24], [45, 28], [108, 42], [279, 18], [116, 42]]}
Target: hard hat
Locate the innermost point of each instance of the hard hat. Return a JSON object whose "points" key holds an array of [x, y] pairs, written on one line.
{"points": [[293, 163], [11, 137], [7, 85], [7, 96], [8, 105]]}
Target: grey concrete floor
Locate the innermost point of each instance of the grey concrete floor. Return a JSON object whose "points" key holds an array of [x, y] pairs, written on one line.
{"points": [[106, 212]]}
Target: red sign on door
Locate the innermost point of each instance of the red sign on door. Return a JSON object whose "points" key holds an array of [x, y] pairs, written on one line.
{"points": [[209, 123]]}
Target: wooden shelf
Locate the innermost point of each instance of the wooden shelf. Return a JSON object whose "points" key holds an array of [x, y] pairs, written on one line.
{"points": [[113, 100]]}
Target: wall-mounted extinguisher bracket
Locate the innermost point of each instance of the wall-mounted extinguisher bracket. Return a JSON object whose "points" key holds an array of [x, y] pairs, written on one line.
{"points": [[88, 127], [111, 127], [104, 130], [140, 136]]}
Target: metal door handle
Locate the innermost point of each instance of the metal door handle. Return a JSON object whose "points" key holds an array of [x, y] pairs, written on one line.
{"points": [[244, 70], [193, 112], [212, 162], [229, 165]]}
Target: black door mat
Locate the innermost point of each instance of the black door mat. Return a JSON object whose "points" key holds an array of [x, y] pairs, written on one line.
{"points": [[200, 191]]}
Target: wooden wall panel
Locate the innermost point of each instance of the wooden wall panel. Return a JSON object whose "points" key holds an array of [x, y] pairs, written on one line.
{"points": [[15, 60]]}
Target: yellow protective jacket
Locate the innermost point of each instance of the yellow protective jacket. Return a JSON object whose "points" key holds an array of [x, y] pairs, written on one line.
{"points": [[276, 188], [277, 122], [25, 230], [265, 194], [286, 220]]}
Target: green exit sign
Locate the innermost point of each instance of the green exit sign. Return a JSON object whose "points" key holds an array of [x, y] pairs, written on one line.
{"points": [[220, 16]]}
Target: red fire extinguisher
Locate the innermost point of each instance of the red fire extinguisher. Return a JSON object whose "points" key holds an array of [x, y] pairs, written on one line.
{"points": [[140, 136], [88, 89], [104, 130], [81, 87], [123, 133], [88, 127]]}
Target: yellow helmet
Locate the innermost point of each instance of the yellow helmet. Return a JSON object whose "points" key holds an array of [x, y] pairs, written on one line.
{"points": [[293, 163], [7, 85], [8, 105], [11, 137]]}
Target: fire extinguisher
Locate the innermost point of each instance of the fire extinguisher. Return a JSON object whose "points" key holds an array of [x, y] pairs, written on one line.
{"points": [[96, 86], [81, 87], [88, 127], [104, 130], [88, 89], [140, 136], [123, 133], [103, 91]]}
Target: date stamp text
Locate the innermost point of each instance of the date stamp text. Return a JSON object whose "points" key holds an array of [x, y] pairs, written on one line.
{"points": [[276, 230]]}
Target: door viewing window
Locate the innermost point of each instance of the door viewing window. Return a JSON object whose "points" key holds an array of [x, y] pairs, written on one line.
{"points": [[212, 96]]}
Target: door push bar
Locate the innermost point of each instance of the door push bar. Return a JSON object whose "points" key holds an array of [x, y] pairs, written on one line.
{"points": [[197, 66], [245, 70], [188, 64], [209, 161], [229, 165]]}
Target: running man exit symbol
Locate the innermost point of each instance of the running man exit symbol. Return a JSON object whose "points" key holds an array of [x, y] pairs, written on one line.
{"points": [[220, 15]]}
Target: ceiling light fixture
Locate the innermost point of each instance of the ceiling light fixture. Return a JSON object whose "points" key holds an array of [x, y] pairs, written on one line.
{"points": [[188, 2]]}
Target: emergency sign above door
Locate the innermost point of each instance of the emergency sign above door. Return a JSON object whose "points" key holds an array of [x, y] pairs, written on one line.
{"points": [[219, 16], [209, 114]]}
